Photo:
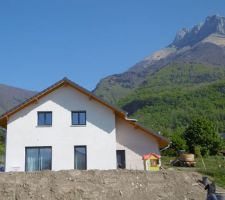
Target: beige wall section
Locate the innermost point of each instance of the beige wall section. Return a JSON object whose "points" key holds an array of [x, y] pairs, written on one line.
{"points": [[135, 142]]}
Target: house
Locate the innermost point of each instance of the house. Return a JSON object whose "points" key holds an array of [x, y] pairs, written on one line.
{"points": [[67, 127]]}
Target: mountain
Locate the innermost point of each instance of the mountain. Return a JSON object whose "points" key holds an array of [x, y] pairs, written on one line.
{"points": [[169, 88], [204, 43], [12, 96]]}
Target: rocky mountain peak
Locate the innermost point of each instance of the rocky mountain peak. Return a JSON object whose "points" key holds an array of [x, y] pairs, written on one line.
{"points": [[188, 37], [216, 23], [202, 44], [181, 33]]}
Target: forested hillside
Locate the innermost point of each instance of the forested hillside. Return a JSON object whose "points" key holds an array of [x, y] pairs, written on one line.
{"points": [[175, 95]]}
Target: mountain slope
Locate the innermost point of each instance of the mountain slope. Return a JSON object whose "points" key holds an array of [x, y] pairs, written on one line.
{"points": [[169, 88], [204, 43], [12, 96], [176, 95]]}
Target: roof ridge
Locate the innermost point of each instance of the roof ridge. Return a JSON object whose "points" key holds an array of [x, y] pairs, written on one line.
{"points": [[4, 117]]}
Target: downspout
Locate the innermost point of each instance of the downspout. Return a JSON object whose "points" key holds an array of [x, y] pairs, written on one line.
{"points": [[168, 146], [129, 119], [132, 120]]}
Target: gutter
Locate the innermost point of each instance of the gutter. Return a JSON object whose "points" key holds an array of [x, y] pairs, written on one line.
{"points": [[158, 135]]}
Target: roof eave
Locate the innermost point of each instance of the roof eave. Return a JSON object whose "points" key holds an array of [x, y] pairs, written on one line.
{"points": [[64, 82], [163, 142]]}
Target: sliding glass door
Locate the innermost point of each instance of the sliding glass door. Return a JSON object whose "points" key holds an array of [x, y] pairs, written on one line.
{"points": [[32, 159], [80, 157], [38, 158]]}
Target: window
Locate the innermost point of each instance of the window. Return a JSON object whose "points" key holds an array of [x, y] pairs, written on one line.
{"points": [[38, 158], [121, 161], [80, 157], [78, 117], [44, 118]]}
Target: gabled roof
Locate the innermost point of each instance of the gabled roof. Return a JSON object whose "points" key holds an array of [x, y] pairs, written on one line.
{"points": [[148, 156], [66, 82]]}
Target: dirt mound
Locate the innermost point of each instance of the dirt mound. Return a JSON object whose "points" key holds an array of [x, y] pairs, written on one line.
{"points": [[101, 185]]}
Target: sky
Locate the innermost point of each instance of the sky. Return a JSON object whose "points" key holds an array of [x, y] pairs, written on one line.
{"points": [[42, 41]]}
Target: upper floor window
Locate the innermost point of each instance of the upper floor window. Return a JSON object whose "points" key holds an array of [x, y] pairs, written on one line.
{"points": [[44, 118], [78, 117]]}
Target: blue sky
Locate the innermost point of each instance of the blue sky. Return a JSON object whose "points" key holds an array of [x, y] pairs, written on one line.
{"points": [[41, 41]]}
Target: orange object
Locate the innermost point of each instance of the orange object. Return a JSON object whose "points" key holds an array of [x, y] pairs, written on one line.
{"points": [[148, 156]]}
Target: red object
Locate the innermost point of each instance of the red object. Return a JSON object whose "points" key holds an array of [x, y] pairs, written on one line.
{"points": [[147, 156]]}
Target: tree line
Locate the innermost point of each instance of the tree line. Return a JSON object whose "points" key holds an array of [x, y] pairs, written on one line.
{"points": [[201, 137]]}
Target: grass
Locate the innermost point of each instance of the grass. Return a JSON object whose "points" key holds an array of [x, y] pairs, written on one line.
{"points": [[215, 168]]}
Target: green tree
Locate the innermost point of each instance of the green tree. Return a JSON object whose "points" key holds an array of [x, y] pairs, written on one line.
{"points": [[177, 143], [203, 133]]}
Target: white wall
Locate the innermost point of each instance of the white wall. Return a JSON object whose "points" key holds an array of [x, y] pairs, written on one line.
{"points": [[98, 134], [135, 142]]}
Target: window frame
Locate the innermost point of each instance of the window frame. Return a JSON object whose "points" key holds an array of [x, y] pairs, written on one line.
{"points": [[37, 147], [79, 112], [78, 146], [44, 112]]}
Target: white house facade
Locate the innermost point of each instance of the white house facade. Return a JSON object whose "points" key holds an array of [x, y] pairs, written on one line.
{"points": [[67, 127]]}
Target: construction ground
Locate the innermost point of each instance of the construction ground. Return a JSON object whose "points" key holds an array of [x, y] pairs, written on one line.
{"points": [[102, 185]]}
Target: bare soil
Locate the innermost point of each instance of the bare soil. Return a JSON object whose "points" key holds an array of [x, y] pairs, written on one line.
{"points": [[101, 185]]}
